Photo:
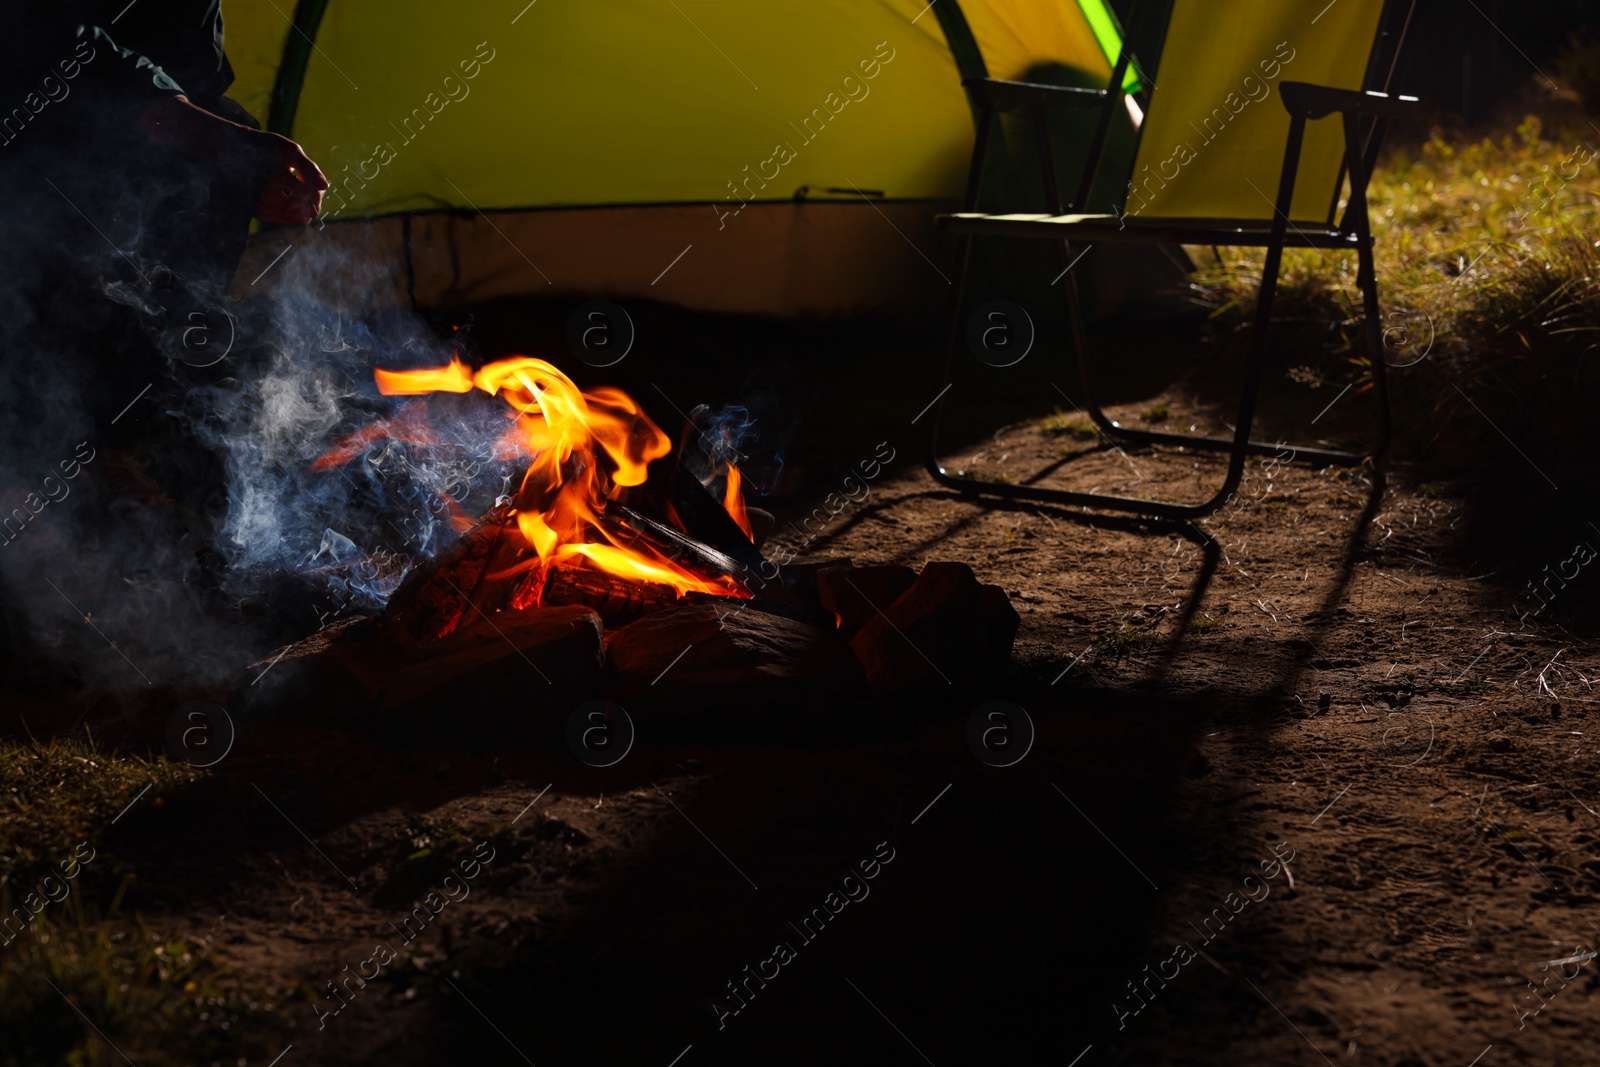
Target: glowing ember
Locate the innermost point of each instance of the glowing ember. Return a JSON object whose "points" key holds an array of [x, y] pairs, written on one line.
{"points": [[410, 424], [584, 449]]}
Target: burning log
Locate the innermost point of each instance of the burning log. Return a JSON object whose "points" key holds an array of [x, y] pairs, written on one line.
{"points": [[733, 656], [490, 569], [618, 600], [438, 595], [513, 675], [678, 492], [678, 546]]}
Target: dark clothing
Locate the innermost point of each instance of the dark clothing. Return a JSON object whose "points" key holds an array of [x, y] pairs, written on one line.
{"points": [[156, 47], [111, 240], [115, 252], [182, 37], [78, 77], [51, 58]]}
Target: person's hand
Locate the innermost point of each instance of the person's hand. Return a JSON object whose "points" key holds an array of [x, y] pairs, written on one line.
{"points": [[293, 186], [292, 195]]}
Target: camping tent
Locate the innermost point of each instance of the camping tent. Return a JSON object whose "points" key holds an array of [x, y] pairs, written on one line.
{"points": [[690, 151]]}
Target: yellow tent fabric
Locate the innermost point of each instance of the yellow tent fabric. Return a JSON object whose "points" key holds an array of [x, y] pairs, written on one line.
{"points": [[413, 106], [1213, 145], [496, 148]]}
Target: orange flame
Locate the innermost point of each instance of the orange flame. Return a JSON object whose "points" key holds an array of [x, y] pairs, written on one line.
{"points": [[733, 501], [409, 424], [564, 432]]}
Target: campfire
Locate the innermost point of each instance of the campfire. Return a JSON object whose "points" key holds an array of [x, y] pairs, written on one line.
{"points": [[613, 564], [576, 530]]}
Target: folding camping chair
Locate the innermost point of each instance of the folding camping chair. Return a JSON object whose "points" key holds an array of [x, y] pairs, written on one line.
{"points": [[1210, 145]]}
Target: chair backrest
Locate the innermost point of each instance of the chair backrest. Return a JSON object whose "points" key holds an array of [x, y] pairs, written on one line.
{"points": [[1212, 142]]}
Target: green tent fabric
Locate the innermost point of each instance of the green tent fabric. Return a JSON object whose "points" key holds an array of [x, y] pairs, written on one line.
{"points": [[580, 146]]}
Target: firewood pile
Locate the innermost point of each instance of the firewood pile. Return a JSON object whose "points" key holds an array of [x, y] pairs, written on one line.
{"points": [[611, 576], [465, 647]]}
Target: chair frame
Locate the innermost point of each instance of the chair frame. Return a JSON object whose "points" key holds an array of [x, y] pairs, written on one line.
{"points": [[1365, 115]]}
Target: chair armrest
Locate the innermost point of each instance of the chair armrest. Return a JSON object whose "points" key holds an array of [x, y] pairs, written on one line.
{"points": [[1008, 95], [1317, 101]]}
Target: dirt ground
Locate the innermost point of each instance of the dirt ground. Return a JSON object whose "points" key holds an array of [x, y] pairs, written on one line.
{"points": [[1344, 814], [1374, 707], [1318, 793]]}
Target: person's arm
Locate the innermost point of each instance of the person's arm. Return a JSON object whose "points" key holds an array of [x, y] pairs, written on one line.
{"points": [[292, 186], [292, 195]]}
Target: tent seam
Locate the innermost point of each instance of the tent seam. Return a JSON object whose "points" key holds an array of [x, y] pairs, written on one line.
{"points": [[290, 81]]}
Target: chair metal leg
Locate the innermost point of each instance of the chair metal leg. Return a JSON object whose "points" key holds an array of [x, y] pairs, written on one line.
{"points": [[1374, 325], [946, 376], [1239, 447], [1133, 435], [1152, 509], [1316, 457]]}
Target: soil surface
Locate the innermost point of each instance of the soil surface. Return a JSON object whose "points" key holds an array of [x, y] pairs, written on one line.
{"points": [[1302, 788]]}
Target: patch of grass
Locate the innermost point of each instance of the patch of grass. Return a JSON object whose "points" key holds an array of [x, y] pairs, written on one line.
{"points": [[1157, 413], [57, 793], [1489, 272], [1132, 639], [419, 861], [1059, 422], [1277, 506], [1483, 241], [160, 1001], [1204, 624]]}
